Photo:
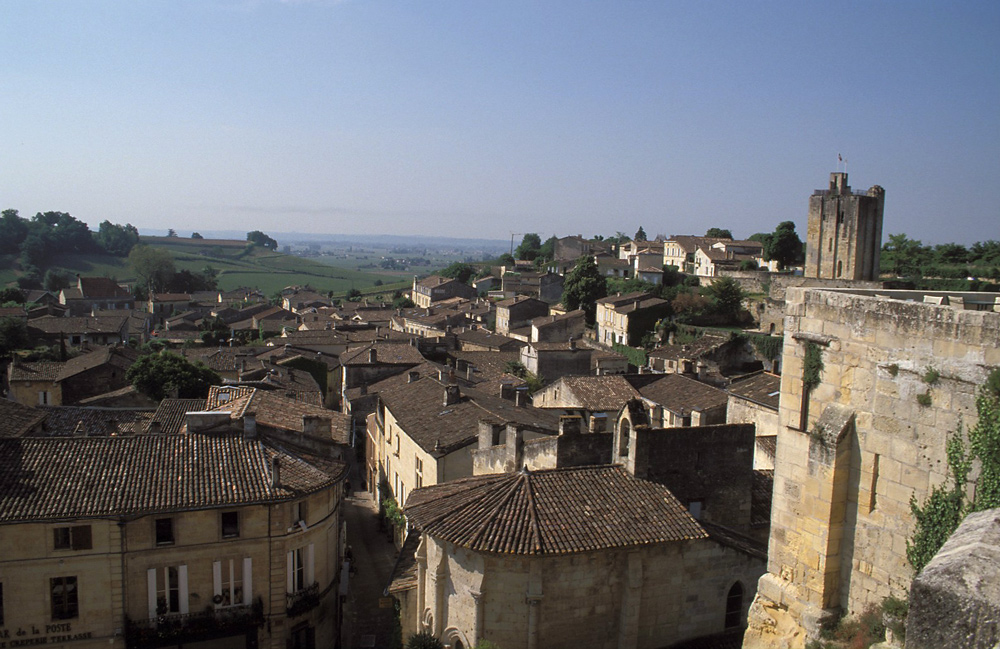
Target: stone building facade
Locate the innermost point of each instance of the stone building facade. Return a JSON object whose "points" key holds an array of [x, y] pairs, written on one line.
{"points": [[844, 237], [173, 540], [513, 559], [896, 378]]}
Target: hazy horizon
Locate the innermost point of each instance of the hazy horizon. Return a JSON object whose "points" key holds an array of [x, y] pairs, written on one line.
{"points": [[478, 119]]}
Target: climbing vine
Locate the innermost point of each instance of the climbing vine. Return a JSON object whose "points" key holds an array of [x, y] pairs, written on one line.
{"points": [[812, 365], [946, 506], [768, 347]]}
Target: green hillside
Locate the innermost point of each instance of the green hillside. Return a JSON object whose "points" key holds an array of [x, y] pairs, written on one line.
{"points": [[237, 265]]}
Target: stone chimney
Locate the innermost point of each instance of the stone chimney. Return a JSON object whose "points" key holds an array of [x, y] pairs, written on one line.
{"points": [[155, 427], [598, 423], [515, 447], [507, 391], [452, 395], [521, 397], [702, 370], [570, 424], [250, 424], [373, 355], [489, 434], [316, 425], [412, 376], [468, 372], [275, 472]]}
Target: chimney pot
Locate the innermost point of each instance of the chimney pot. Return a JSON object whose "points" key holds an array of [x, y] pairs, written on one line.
{"points": [[275, 472]]}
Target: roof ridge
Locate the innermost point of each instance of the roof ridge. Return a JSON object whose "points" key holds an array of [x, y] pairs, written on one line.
{"points": [[487, 521], [533, 512]]}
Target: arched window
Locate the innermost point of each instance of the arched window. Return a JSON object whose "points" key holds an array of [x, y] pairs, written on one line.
{"points": [[734, 606], [624, 431]]}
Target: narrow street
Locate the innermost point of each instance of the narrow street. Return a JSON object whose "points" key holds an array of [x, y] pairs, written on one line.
{"points": [[366, 624]]}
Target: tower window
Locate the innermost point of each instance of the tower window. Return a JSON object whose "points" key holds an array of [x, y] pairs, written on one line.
{"points": [[734, 606]]}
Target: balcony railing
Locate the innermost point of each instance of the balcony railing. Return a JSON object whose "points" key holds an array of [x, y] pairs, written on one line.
{"points": [[211, 623], [302, 601]]}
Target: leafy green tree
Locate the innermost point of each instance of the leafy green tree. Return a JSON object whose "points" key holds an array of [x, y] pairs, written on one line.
{"points": [[530, 245], [784, 245], [187, 282], [719, 233], [13, 230], [55, 281], [196, 235], [354, 294], [904, 256], [727, 298], [951, 253], [171, 232], [15, 295], [13, 335], [640, 234], [403, 302], [117, 240], [258, 238], [159, 375], [505, 259], [547, 251], [461, 271], [583, 286], [153, 267]]}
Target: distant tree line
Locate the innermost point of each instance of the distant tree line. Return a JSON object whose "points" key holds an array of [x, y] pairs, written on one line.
{"points": [[38, 241], [905, 257]]}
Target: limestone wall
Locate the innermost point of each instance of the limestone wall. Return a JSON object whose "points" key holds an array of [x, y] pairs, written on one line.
{"points": [[630, 598], [852, 452]]}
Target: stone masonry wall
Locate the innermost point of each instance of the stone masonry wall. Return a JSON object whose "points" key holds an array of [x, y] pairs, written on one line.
{"points": [[845, 472]]}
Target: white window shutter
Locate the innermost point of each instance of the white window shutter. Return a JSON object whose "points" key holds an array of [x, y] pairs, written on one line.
{"points": [[151, 591], [217, 578], [310, 565], [182, 583], [290, 572], [247, 580]]}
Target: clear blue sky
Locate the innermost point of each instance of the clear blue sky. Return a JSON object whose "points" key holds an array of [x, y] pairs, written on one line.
{"points": [[477, 118]]}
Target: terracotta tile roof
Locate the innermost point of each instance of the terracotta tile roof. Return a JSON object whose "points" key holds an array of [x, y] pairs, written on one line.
{"points": [[219, 396], [80, 324], [120, 357], [13, 312], [404, 572], [101, 287], [170, 414], [62, 421], [17, 420], [596, 393], [677, 393], [760, 500], [763, 388], [696, 349], [278, 411], [62, 478], [420, 411], [558, 511], [35, 371], [486, 338], [768, 444], [386, 353]]}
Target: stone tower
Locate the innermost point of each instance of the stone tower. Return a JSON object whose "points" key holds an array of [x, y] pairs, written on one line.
{"points": [[845, 232]]}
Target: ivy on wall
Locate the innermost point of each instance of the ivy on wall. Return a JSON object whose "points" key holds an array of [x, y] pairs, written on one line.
{"points": [[946, 506], [812, 365]]}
